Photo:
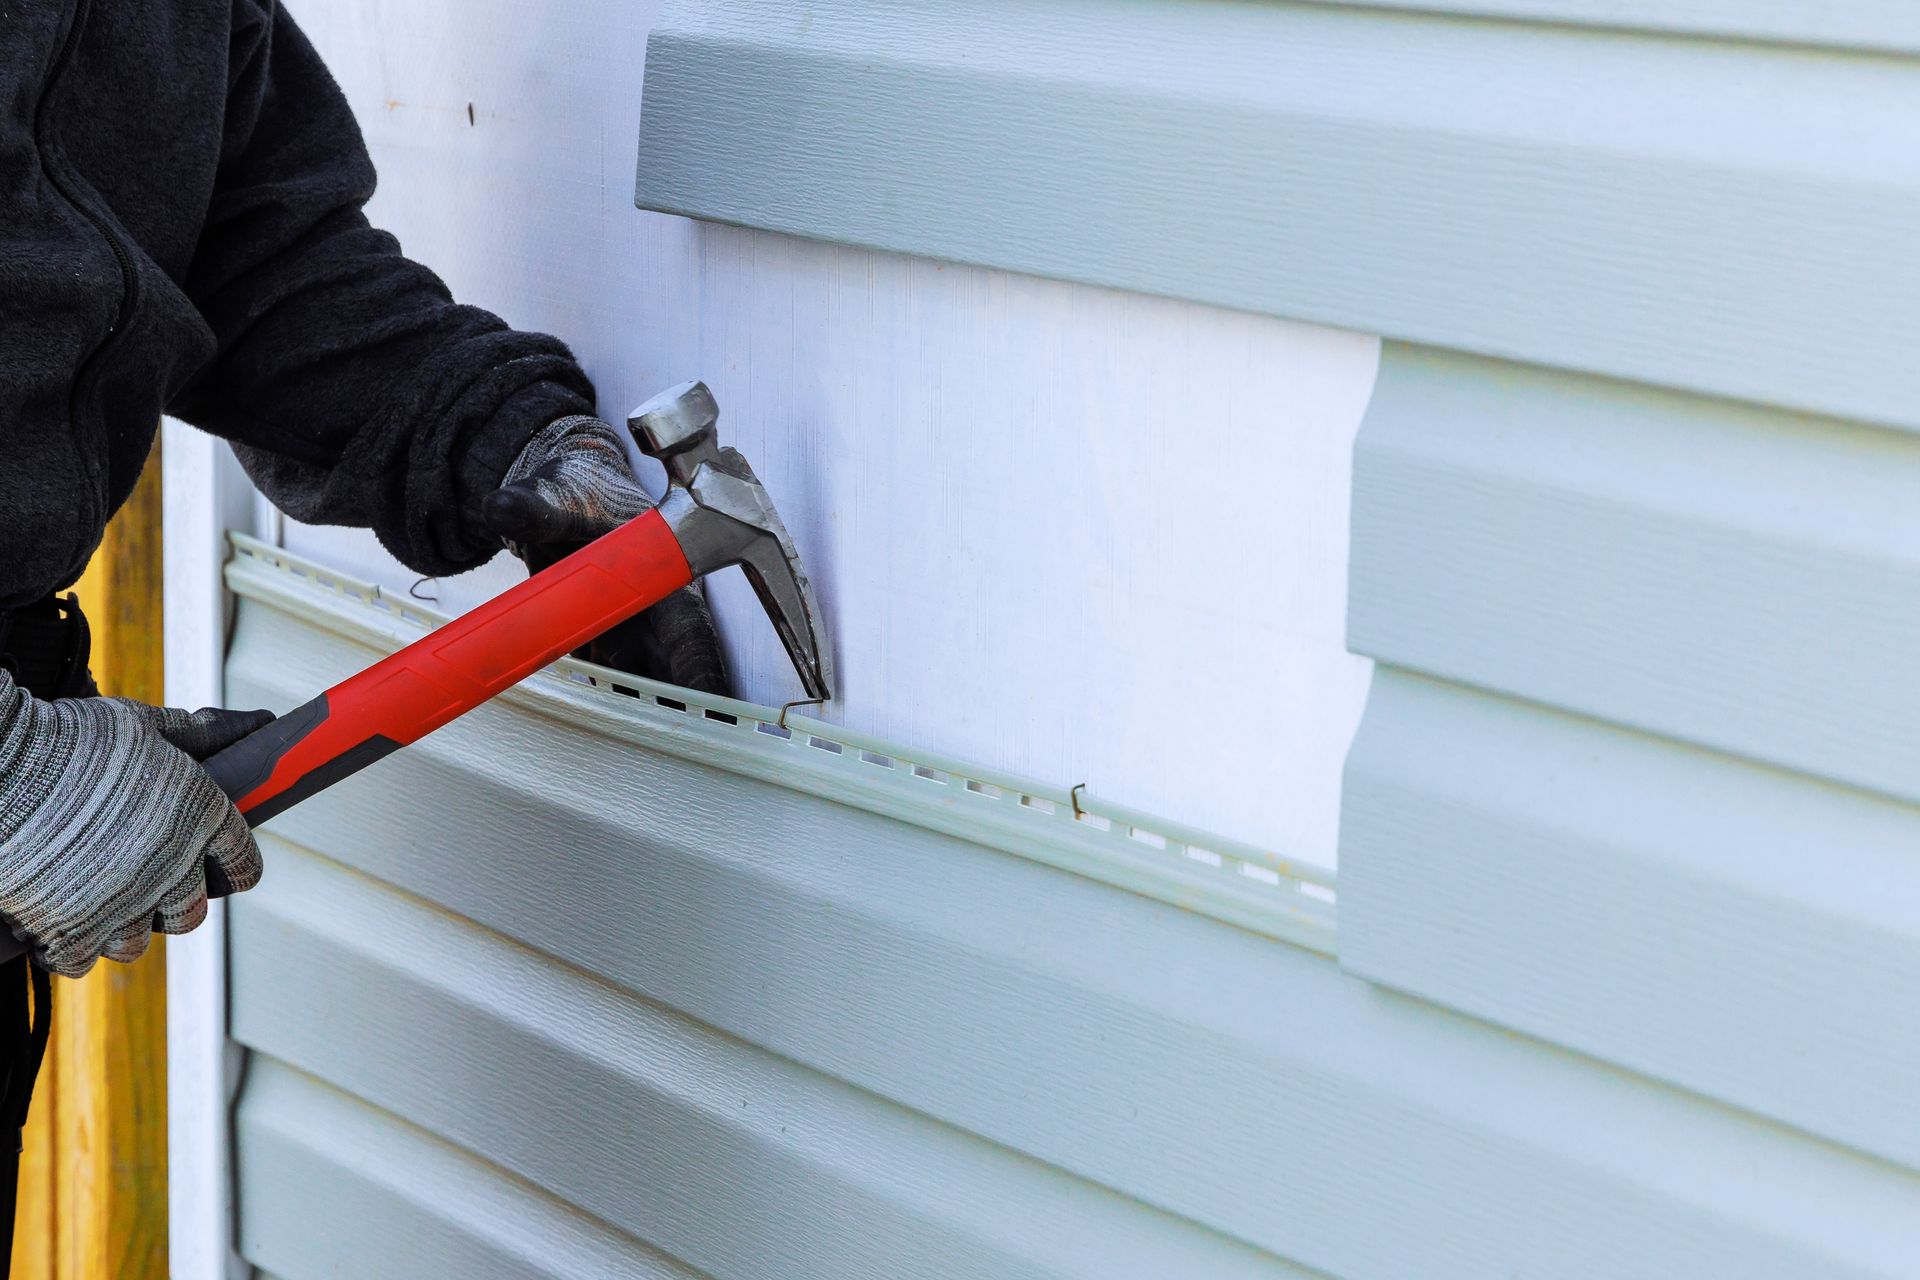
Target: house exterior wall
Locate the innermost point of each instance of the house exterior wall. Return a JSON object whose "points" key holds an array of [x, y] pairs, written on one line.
{"points": [[991, 475], [1624, 894]]}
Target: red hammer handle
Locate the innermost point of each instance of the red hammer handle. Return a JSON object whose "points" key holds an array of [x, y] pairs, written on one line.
{"points": [[446, 674], [443, 676]]}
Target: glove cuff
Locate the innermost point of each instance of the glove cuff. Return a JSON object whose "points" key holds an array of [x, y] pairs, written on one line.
{"points": [[551, 441]]}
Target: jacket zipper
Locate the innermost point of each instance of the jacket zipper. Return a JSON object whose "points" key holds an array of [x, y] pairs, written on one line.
{"points": [[88, 459], [73, 196]]}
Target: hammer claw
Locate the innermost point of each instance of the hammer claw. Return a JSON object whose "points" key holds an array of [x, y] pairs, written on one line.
{"points": [[721, 515], [787, 597]]}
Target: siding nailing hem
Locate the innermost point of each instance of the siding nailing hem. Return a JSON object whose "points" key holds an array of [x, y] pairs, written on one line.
{"points": [[1198, 871]]}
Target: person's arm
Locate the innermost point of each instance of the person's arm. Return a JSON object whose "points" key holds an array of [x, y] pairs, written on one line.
{"points": [[355, 390]]}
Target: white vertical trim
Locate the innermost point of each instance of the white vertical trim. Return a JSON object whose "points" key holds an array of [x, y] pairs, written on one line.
{"points": [[269, 525], [204, 493]]}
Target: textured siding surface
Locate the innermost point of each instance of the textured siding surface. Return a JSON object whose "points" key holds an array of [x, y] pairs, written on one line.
{"points": [[1858, 24], [1718, 217], [413, 1205], [1743, 579], [749, 1029], [1742, 932], [1639, 770], [1635, 529]]}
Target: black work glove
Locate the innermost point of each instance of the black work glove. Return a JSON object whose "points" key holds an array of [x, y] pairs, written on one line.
{"points": [[570, 485]]}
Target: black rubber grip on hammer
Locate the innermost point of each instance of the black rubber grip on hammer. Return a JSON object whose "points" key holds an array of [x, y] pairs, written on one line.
{"points": [[245, 765]]}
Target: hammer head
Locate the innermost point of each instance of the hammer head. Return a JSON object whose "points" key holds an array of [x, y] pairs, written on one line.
{"points": [[721, 515]]}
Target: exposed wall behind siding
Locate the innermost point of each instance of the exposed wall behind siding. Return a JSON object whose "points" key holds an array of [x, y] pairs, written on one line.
{"points": [[1057, 528]]}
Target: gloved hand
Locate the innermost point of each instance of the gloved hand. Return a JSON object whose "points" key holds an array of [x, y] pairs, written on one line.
{"points": [[570, 485], [106, 822]]}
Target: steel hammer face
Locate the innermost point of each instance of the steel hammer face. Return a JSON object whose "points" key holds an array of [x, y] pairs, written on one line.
{"points": [[721, 515]]}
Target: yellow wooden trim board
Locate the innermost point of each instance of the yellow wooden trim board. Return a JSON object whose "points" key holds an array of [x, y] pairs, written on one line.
{"points": [[93, 1183]]}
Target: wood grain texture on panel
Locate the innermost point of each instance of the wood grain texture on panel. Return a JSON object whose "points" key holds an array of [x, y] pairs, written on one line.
{"points": [[1740, 578], [1710, 216], [1242, 1085], [1738, 931], [94, 1190], [360, 1192], [1891, 25], [728, 1157]]}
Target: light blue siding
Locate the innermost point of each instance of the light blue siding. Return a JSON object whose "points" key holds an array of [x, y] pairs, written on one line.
{"points": [[1725, 597], [771, 1034], [1731, 219], [1748, 934], [359, 1194], [1741, 578], [1892, 25], [712, 1150]]}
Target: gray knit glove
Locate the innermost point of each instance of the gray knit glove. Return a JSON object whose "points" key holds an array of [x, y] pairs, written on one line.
{"points": [[106, 822], [570, 485]]}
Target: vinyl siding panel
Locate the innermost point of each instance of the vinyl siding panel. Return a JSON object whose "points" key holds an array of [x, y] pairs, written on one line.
{"points": [[416, 1205], [1747, 934], [1639, 776], [989, 1064], [1885, 25], [1744, 579], [1711, 217], [720, 1153]]}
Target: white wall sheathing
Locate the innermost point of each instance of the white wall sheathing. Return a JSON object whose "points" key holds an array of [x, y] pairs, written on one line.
{"points": [[1081, 535]]}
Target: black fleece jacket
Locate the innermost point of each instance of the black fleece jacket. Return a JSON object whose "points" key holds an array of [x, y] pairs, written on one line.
{"points": [[180, 229]]}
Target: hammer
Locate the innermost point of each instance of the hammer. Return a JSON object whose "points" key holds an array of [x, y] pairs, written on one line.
{"points": [[716, 514]]}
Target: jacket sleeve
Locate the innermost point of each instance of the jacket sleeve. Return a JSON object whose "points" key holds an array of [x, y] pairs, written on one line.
{"points": [[353, 387]]}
